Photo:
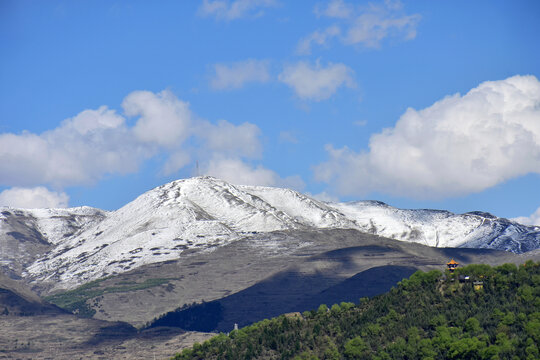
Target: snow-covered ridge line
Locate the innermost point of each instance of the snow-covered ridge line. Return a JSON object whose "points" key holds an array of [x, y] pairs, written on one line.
{"points": [[198, 214], [54, 223]]}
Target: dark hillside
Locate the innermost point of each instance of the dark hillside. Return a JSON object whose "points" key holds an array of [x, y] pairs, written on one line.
{"points": [[289, 291], [17, 300]]}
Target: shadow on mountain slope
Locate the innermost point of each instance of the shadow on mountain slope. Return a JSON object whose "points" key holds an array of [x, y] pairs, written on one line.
{"points": [[285, 292]]}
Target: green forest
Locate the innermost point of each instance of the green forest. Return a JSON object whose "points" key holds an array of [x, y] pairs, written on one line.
{"points": [[476, 312]]}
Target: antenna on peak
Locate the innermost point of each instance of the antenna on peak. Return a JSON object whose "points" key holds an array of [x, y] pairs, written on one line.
{"points": [[198, 168]]}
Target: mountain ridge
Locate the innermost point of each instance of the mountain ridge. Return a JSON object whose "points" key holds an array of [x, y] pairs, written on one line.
{"points": [[199, 214]]}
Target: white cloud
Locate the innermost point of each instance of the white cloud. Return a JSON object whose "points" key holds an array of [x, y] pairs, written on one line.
{"points": [[176, 161], [89, 121], [533, 219], [365, 25], [80, 151], [164, 119], [222, 139], [316, 82], [232, 140], [235, 75], [95, 143], [457, 146], [232, 10], [239, 172], [317, 37], [33, 198]]}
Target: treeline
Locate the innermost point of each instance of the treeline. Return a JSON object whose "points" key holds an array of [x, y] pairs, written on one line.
{"points": [[478, 312]]}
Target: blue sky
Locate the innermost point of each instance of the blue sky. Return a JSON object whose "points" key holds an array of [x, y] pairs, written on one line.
{"points": [[421, 104]]}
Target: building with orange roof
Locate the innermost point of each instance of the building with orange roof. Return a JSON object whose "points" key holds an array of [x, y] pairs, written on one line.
{"points": [[452, 265]]}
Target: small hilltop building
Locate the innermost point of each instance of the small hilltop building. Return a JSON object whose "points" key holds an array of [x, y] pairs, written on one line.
{"points": [[452, 265]]}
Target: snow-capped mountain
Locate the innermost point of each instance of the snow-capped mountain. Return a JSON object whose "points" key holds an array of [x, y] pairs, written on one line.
{"points": [[26, 234], [199, 214], [439, 228], [178, 218]]}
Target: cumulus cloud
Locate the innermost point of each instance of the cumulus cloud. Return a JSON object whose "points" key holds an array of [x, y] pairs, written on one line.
{"points": [[80, 151], [232, 140], [533, 219], [33, 198], [164, 119], [316, 82], [234, 76], [176, 161], [233, 10], [363, 25], [461, 144], [95, 143], [83, 149], [239, 172]]}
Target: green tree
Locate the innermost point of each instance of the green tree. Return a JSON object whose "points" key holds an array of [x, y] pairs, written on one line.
{"points": [[323, 309], [331, 352], [355, 348], [472, 325]]}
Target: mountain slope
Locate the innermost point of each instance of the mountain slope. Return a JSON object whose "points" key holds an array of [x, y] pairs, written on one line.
{"points": [[199, 214], [17, 300]]}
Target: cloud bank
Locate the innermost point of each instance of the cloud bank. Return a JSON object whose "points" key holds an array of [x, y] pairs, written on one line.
{"points": [[28, 198], [100, 142], [80, 151], [316, 82], [457, 146]]}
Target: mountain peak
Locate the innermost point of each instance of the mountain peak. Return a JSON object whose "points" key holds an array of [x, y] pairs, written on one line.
{"points": [[482, 214]]}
